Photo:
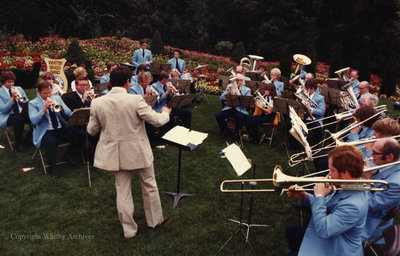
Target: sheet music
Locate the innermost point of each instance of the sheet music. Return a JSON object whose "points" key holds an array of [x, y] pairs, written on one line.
{"points": [[237, 159], [184, 136]]}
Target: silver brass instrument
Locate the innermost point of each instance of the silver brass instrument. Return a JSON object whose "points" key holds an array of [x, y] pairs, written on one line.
{"points": [[301, 60], [250, 63], [343, 74], [347, 96], [233, 88], [54, 106], [18, 96], [260, 98], [233, 73], [281, 182], [266, 80], [57, 89]]}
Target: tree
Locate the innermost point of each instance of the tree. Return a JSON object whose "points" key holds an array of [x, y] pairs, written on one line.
{"points": [[157, 46], [239, 52]]}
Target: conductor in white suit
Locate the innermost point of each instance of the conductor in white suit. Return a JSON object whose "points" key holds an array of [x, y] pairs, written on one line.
{"points": [[123, 146]]}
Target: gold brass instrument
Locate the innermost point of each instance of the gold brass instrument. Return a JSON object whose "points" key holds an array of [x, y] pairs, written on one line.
{"points": [[18, 96], [250, 63], [282, 181], [301, 60]]}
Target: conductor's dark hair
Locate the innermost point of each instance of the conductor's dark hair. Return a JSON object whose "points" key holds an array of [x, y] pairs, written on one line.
{"points": [[119, 76]]}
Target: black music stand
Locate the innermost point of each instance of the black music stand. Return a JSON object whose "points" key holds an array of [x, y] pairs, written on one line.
{"points": [[242, 225], [80, 117], [99, 88], [223, 81], [239, 101], [178, 138], [182, 85], [252, 85], [156, 68], [151, 100], [179, 101]]}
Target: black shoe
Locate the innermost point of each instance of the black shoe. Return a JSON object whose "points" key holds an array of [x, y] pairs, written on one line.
{"points": [[165, 219], [54, 173], [21, 148]]}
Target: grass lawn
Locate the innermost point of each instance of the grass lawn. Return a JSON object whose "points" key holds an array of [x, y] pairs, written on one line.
{"points": [[41, 215]]}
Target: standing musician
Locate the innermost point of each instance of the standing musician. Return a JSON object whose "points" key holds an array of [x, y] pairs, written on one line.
{"points": [[142, 55], [384, 151], [82, 97], [238, 113], [12, 101], [265, 113], [177, 63], [123, 147], [337, 219], [48, 114], [318, 112]]}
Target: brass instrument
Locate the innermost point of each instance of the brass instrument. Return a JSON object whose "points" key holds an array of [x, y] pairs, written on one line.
{"points": [[343, 74], [54, 106], [18, 96], [282, 181], [57, 89], [262, 101], [267, 80], [233, 73], [301, 60], [347, 96], [303, 96], [250, 64]]}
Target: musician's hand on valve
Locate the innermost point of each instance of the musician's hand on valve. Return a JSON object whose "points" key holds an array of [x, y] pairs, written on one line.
{"points": [[321, 189], [86, 94], [47, 104], [14, 94], [297, 192]]}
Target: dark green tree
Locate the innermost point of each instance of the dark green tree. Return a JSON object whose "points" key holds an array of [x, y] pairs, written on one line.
{"points": [[157, 46], [365, 61], [285, 60], [238, 52]]}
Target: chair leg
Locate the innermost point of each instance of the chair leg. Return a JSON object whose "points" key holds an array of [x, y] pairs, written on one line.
{"points": [[42, 159], [9, 141], [272, 135]]}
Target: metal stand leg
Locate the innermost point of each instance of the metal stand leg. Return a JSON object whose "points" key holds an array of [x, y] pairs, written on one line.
{"points": [[87, 159], [177, 195]]}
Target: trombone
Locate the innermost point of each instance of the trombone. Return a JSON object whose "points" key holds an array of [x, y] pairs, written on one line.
{"points": [[281, 182]]}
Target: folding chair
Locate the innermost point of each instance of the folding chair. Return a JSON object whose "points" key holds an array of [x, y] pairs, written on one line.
{"points": [[392, 241], [274, 129], [9, 140]]}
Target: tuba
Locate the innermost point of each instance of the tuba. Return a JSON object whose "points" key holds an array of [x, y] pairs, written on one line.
{"points": [[300, 60], [250, 63], [347, 96]]}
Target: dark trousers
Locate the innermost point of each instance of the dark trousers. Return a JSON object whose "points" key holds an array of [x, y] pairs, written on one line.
{"points": [[230, 113], [52, 138], [18, 121], [294, 235], [254, 121]]}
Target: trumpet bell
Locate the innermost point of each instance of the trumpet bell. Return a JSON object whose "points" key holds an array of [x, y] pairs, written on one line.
{"points": [[301, 59]]}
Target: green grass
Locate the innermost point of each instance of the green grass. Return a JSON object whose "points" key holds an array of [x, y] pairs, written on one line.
{"points": [[35, 204]]}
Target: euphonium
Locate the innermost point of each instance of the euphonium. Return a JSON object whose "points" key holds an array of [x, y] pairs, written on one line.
{"points": [[343, 74], [260, 98], [233, 88], [303, 96]]}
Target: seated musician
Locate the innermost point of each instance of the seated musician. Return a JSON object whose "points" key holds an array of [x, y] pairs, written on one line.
{"points": [[385, 151], [142, 87], [174, 74], [368, 99], [55, 87], [238, 113], [79, 71], [13, 99], [134, 79], [177, 63], [82, 97], [262, 114], [364, 130], [166, 90], [106, 77], [353, 73], [50, 125], [386, 127], [262, 70], [337, 218], [363, 88], [317, 111], [275, 76], [240, 70]]}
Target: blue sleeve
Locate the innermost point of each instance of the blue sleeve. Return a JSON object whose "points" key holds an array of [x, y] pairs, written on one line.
{"points": [[343, 218], [222, 97], [385, 199], [320, 111], [35, 114], [183, 66], [151, 57], [135, 59]]}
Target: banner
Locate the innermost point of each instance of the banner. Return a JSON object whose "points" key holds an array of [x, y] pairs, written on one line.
{"points": [[56, 67]]}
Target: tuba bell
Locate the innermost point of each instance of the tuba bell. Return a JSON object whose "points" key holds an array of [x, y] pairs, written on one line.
{"points": [[300, 60]]}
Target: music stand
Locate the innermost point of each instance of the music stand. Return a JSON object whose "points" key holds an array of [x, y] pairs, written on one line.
{"points": [[241, 164], [80, 117], [99, 88], [239, 101], [151, 100], [223, 81], [179, 101], [183, 139], [252, 85], [182, 85]]}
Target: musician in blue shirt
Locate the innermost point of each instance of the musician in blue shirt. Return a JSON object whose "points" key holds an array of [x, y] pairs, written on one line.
{"points": [[354, 79], [337, 218], [12, 101], [142, 55], [106, 77], [177, 63], [237, 87]]}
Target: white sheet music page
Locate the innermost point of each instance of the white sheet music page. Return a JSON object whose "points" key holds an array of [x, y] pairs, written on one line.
{"points": [[237, 159], [184, 136]]}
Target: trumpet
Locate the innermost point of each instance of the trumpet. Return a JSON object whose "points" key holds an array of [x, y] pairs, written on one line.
{"points": [[18, 96], [282, 181], [173, 88], [54, 106], [151, 90]]}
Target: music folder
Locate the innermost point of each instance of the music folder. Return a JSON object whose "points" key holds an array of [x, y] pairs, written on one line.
{"points": [[79, 117], [237, 159], [331, 95], [183, 137], [179, 101], [151, 100], [239, 101], [182, 85]]}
